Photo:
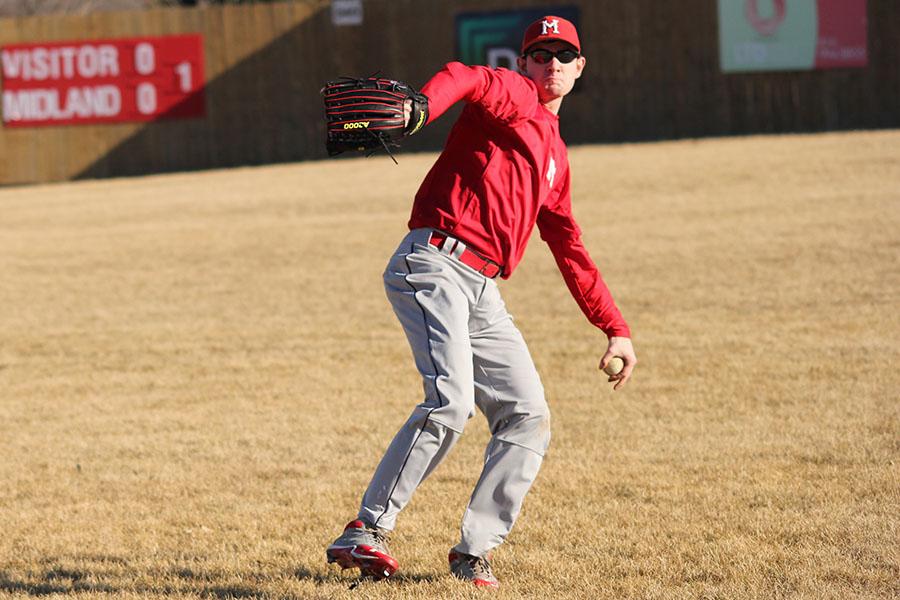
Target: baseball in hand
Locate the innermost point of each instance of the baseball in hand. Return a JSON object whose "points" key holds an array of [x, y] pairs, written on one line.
{"points": [[614, 366]]}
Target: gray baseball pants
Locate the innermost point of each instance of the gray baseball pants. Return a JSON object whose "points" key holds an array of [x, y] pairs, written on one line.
{"points": [[469, 354]]}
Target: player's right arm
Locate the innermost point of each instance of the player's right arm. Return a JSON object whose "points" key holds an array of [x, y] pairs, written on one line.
{"points": [[562, 234]]}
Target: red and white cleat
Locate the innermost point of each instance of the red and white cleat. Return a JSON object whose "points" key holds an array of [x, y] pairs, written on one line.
{"points": [[476, 569], [365, 548]]}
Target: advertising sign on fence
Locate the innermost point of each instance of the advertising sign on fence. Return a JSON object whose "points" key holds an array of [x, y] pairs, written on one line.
{"points": [[103, 81], [777, 35], [346, 12], [495, 38]]}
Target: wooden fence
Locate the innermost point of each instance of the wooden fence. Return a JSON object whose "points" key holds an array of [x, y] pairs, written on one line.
{"points": [[653, 73]]}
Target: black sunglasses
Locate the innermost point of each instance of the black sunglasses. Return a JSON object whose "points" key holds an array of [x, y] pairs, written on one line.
{"points": [[542, 56]]}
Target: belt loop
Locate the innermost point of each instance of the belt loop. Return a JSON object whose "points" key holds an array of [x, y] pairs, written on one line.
{"points": [[457, 251], [446, 246]]}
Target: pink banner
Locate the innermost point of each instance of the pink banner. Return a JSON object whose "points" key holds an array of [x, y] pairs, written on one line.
{"points": [[842, 34]]}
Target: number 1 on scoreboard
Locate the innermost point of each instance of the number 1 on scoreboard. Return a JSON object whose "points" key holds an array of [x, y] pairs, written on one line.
{"points": [[183, 69]]}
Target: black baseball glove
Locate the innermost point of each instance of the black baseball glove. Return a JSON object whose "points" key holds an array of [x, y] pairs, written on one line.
{"points": [[367, 114]]}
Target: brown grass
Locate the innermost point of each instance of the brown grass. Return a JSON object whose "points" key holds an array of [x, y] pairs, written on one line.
{"points": [[199, 372]]}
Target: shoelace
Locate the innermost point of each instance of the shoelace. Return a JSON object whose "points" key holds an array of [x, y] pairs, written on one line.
{"points": [[380, 537], [480, 566]]}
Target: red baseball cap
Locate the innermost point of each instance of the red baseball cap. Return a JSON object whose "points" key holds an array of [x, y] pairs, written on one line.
{"points": [[550, 29]]}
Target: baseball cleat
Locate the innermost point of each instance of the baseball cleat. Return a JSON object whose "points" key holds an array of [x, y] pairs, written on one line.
{"points": [[476, 569], [365, 548]]}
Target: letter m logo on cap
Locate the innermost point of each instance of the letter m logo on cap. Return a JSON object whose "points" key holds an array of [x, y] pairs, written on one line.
{"points": [[548, 25]]}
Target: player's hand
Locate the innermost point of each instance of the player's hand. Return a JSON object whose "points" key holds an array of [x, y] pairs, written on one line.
{"points": [[407, 111], [621, 347]]}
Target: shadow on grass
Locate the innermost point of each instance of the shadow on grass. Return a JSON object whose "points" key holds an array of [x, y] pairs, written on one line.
{"points": [[50, 586], [333, 576], [60, 580], [111, 575]]}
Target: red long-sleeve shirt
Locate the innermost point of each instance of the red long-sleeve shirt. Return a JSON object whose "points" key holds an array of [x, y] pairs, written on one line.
{"points": [[504, 169]]}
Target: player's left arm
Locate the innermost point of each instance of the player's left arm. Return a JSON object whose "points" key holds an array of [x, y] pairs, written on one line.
{"points": [[505, 95], [584, 280]]}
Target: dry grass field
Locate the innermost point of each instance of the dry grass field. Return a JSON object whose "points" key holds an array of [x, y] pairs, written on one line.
{"points": [[199, 372]]}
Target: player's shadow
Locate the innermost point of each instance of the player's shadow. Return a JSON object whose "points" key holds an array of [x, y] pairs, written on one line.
{"points": [[86, 574], [102, 574], [74, 582], [52, 582], [319, 577]]}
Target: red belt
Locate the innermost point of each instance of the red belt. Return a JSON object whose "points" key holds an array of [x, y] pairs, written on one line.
{"points": [[469, 257]]}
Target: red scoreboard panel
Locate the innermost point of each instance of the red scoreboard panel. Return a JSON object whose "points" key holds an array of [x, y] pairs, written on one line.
{"points": [[103, 81]]}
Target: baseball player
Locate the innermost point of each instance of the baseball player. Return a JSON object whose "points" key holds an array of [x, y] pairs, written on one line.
{"points": [[504, 169]]}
